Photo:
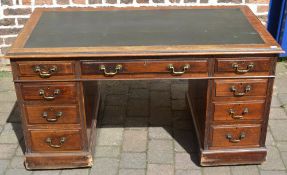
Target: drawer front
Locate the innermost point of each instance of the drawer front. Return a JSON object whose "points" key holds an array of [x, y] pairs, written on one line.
{"points": [[238, 111], [235, 136], [240, 87], [173, 68], [241, 66], [49, 91], [60, 114], [55, 140], [45, 69]]}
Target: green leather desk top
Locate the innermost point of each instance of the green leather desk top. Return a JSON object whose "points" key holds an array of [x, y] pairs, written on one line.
{"points": [[144, 31], [143, 28]]}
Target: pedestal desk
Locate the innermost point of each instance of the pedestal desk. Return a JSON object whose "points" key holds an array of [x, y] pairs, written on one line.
{"points": [[225, 53]]}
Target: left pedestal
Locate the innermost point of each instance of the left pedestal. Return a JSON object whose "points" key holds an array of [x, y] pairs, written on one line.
{"points": [[58, 117]]}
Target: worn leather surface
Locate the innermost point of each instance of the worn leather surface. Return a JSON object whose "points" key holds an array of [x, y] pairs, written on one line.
{"points": [[142, 28]]}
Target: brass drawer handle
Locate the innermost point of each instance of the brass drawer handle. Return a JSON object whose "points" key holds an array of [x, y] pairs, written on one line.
{"points": [[55, 93], [106, 73], [50, 142], [235, 66], [174, 72], [45, 73], [57, 116], [232, 113], [239, 94], [235, 140]]}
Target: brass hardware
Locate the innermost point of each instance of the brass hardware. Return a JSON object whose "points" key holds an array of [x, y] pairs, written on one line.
{"points": [[239, 94], [45, 73], [62, 141], [57, 116], [235, 66], [172, 69], [117, 69], [55, 93], [237, 140], [232, 113]]}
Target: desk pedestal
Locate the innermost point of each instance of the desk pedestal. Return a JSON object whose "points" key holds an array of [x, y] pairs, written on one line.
{"points": [[230, 127]]}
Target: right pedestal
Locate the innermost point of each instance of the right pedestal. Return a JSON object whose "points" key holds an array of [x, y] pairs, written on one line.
{"points": [[230, 118]]}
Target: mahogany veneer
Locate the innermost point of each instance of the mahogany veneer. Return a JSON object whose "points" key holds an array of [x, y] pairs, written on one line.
{"points": [[225, 53]]}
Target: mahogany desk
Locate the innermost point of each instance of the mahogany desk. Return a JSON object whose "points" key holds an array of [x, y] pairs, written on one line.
{"points": [[225, 52]]}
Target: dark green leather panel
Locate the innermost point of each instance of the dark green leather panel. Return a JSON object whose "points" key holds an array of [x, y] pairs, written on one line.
{"points": [[143, 28]]}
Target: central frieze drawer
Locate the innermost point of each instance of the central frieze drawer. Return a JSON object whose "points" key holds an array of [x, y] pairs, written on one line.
{"points": [[51, 114], [49, 91], [56, 140], [240, 87], [112, 68]]}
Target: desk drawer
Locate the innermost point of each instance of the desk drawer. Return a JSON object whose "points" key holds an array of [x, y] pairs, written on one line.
{"points": [[49, 91], [45, 69], [240, 87], [235, 136], [50, 114], [55, 140], [243, 66], [238, 111], [173, 68]]}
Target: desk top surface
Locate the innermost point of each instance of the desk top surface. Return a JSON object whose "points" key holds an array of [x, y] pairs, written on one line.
{"points": [[142, 28], [122, 31]]}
